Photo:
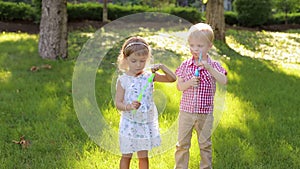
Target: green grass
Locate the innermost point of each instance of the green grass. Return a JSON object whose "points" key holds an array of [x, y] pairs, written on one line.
{"points": [[259, 127]]}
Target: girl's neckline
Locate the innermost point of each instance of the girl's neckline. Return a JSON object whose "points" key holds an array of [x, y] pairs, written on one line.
{"points": [[126, 73]]}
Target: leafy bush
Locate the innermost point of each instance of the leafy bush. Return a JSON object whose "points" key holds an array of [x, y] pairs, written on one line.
{"points": [[117, 11], [253, 12], [10, 11], [230, 18], [93, 11], [37, 7], [84, 11], [277, 19], [292, 18], [189, 14], [90, 11]]}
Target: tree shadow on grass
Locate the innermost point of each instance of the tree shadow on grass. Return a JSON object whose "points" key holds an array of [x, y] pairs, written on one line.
{"points": [[250, 40], [269, 118]]}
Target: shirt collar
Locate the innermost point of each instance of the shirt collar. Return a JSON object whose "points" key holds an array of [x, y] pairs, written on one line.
{"points": [[191, 61]]}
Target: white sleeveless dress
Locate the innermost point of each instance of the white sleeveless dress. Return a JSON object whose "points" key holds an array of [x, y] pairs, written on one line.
{"points": [[138, 130]]}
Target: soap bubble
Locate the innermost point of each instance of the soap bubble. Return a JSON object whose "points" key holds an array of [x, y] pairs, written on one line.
{"points": [[167, 37]]}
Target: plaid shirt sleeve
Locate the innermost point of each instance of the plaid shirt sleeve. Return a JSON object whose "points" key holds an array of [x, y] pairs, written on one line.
{"points": [[216, 65], [180, 70]]}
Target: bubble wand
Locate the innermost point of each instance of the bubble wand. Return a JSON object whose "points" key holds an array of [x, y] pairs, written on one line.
{"points": [[200, 57], [197, 74], [149, 80]]}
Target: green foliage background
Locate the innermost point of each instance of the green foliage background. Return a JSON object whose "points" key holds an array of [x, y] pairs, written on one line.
{"points": [[252, 13]]}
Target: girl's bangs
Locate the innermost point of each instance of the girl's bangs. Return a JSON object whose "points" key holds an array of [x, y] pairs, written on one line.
{"points": [[140, 50]]}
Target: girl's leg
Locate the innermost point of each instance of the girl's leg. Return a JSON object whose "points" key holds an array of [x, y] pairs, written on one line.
{"points": [[125, 161], [143, 159]]}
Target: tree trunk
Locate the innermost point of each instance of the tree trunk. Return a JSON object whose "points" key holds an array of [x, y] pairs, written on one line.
{"points": [[104, 14], [53, 41], [215, 18], [182, 2], [286, 17]]}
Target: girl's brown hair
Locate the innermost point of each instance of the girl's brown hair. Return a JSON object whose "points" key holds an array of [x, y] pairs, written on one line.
{"points": [[133, 46]]}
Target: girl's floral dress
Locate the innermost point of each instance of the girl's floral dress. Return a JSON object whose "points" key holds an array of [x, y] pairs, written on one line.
{"points": [[138, 129]]}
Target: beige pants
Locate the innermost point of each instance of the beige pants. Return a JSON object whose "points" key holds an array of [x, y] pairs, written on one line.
{"points": [[202, 123]]}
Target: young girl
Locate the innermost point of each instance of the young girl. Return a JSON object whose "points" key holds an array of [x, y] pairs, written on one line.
{"points": [[138, 130]]}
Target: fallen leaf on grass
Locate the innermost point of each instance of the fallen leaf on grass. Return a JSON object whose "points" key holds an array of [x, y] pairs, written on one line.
{"points": [[24, 143], [46, 66], [36, 68]]}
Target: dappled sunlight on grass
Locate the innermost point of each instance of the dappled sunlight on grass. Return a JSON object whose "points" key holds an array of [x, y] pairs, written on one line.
{"points": [[239, 112], [5, 76], [278, 46], [50, 87], [76, 40], [94, 157], [111, 115], [7, 36], [85, 34], [289, 152], [291, 69], [257, 116], [168, 115], [234, 76], [170, 42], [43, 105]]}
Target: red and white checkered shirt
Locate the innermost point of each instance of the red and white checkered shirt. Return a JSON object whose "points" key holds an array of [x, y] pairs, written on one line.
{"points": [[198, 99]]}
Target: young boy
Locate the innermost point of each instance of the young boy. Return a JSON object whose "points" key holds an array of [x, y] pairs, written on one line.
{"points": [[197, 77]]}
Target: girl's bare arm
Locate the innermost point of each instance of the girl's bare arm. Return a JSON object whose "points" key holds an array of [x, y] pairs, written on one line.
{"points": [[168, 75], [120, 93]]}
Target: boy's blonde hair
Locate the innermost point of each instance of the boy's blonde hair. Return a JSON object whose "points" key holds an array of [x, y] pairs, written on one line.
{"points": [[201, 30], [133, 46]]}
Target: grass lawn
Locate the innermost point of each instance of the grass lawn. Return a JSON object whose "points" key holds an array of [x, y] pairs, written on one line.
{"points": [[259, 127]]}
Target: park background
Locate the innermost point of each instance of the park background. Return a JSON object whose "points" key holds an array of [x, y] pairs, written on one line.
{"points": [[260, 123]]}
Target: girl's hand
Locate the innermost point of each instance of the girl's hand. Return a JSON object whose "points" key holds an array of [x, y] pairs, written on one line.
{"points": [[134, 105], [156, 67], [166, 76]]}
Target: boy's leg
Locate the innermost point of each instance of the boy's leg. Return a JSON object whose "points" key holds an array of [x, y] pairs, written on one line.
{"points": [[203, 127], [125, 161], [143, 159], [185, 129]]}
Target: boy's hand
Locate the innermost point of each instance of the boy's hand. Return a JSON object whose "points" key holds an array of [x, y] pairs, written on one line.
{"points": [[205, 64], [194, 81]]}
